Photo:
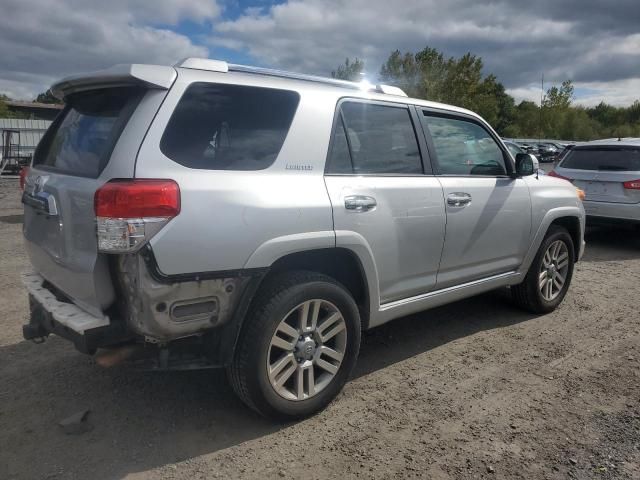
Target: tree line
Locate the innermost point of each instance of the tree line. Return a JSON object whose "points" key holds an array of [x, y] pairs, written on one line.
{"points": [[6, 112], [429, 75]]}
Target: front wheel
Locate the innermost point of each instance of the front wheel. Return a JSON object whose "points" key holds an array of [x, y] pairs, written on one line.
{"points": [[549, 275], [298, 346]]}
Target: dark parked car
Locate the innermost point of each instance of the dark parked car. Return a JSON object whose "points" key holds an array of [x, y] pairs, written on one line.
{"points": [[515, 149], [547, 152]]}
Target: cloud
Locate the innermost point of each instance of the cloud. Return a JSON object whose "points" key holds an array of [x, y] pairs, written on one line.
{"points": [[591, 42], [43, 40]]}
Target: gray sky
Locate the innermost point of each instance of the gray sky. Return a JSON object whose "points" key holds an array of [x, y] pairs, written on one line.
{"points": [[594, 43]]}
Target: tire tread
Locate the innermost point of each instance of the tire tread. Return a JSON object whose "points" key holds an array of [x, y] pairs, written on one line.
{"points": [[269, 297]]}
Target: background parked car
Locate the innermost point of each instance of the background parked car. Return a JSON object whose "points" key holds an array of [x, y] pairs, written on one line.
{"points": [[547, 152], [609, 173], [514, 149]]}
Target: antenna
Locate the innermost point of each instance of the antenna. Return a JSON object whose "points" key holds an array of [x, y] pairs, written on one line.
{"points": [[541, 102]]}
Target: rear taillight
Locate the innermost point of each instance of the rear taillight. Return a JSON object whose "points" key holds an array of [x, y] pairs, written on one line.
{"points": [[130, 212], [632, 185], [553, 173], [24, 171]]}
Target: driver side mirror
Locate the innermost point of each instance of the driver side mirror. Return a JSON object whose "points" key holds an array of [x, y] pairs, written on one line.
{"points": [[526, 164]]}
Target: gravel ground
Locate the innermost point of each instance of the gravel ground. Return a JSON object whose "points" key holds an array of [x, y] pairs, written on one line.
{"points": [[477, 389]]}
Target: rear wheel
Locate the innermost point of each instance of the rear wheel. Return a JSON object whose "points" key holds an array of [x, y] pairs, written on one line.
{"points": [[299, 344], [549, 276]]}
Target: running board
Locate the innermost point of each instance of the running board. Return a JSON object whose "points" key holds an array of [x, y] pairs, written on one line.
{"points": [[406, 306]]}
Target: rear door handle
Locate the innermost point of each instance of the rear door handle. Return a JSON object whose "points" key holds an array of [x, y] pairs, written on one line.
{"points": [[458, 199], [359, 203]]}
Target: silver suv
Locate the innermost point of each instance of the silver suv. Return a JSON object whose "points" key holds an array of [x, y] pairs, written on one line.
{"points": [[210, 214]]}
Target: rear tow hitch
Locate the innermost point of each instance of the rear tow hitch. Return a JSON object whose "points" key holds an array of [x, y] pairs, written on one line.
{"points": [[35, 333]]}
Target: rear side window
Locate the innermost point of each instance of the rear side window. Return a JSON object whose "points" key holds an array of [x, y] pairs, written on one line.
{"points": [[603, 158], [229, 127], [464, 147], [374, 139], [340, 158], [81, 139]]}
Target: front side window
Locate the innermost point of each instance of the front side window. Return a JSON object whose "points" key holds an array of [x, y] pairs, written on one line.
{"points": [[229, 127], [464, 147], [374, 139], [514, 149]]}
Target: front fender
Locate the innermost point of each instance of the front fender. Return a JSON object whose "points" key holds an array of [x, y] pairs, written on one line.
{"points": [[547, 220]]}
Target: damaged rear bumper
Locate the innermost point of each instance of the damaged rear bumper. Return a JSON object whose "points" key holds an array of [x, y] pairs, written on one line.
{"points": [[150, 308], [49, 315]]}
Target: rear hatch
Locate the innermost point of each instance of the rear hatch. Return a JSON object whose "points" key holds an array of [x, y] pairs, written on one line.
{"points": [[605, 173], [59, 221], [94, 139]]}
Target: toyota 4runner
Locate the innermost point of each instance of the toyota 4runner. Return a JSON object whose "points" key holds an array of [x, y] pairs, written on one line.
{"points": [[210, 214]]}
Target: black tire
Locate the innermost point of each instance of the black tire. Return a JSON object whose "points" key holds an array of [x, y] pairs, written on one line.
{"points": [[527, 294], [248, 372]]}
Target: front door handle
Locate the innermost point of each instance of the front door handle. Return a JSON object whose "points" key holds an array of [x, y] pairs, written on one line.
{"points": [[458, 199], [359, 203]]}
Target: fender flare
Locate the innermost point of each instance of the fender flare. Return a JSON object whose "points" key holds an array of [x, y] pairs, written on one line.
{"points": [[357, 244], [272, 250], [543, 227]]}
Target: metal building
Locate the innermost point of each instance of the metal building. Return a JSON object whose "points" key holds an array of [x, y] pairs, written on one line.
{"points": [[18, 140]]}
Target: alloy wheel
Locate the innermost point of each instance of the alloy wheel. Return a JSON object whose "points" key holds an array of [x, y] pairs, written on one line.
{"points": [[306, 350], [553, 271]]}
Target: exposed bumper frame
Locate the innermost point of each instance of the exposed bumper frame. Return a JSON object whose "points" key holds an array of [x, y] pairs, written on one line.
{"points": [[50, 315]]}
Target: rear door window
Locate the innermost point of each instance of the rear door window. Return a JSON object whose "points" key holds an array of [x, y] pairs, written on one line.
{"points": [[81, 139], [464, 148], [229, 127], [603, 158], [374, 139]]}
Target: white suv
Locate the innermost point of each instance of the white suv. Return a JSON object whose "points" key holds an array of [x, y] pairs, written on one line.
{"points": [[210, 214]]}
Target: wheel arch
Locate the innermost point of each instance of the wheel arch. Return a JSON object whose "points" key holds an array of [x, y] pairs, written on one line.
{"points": [[572, 218], [341, 264], [572, 224]]}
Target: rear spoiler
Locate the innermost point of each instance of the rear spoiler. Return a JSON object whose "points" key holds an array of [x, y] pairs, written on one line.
{"points": [[150, 76]]}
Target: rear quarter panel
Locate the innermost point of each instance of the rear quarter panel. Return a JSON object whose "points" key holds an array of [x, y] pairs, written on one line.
{"points": [[226, 216]]}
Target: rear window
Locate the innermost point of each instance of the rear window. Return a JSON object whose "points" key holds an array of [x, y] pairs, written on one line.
{"points": [[81, 139], [229, 127], [603, 158]]}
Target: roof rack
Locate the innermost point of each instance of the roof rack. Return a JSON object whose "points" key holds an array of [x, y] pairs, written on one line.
{"points": [[222, 66]]}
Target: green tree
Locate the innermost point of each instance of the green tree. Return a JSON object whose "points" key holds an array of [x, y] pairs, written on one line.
{"points": [[428, 74], [527, 119], [47, 97], [559, 97], [4, 110], [457, 81], [555, 105], [433, 72], [402, 71], [462, 81], [349, 70]]}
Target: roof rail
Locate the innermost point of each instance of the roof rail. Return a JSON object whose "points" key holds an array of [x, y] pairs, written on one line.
{"points": [[222, 66]]}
